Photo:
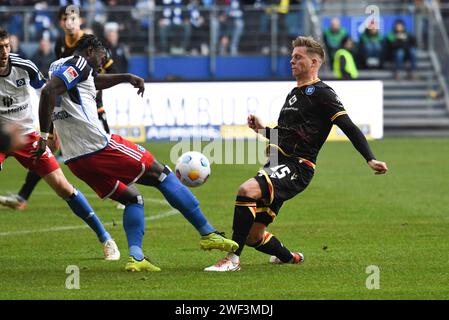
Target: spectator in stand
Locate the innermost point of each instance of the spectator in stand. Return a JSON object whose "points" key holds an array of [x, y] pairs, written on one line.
{"points": [[119, 53], [200, 30], [42, 23], [14, 42], [401, 46], [344, 63], [333, 37], [13, 20], [288, 22], [370, 49], [95, 13], [44, 56], [230, 27], [294, 20], [122, 17], [141, 13], [174, 27]]}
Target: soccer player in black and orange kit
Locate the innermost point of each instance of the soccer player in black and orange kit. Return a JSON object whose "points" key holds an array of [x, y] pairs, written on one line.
{"points": [[70, 22], [309, 112]]}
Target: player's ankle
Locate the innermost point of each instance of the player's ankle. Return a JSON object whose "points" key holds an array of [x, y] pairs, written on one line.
{"points": [[233, 257]]}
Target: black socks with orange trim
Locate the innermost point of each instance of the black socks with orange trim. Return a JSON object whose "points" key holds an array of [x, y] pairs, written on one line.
{"points": [[272, 246], [244, 215]]}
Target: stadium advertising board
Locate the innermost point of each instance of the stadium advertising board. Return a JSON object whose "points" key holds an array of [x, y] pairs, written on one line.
{"points": [[208, 110]]}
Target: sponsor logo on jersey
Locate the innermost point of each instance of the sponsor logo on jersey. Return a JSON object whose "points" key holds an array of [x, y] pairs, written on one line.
{"points": [[141, 149], [310, 90], [61, 115], [70, 74], [20, 82], [7, 101], [292, 100]]}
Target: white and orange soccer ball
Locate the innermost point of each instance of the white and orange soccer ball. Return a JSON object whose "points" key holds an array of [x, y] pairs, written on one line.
{"points": [[192, 168]]}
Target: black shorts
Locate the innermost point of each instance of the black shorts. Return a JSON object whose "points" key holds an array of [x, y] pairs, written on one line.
{"points": [[278, 184]]}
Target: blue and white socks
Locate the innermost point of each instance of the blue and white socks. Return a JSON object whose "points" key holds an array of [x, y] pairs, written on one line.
{"points": [[180, 197], [134, 225], [79, 205]]}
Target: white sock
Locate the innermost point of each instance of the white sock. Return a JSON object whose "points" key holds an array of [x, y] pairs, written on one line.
{"points": [[233, 257]]}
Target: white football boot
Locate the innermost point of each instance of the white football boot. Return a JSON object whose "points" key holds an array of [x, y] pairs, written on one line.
{"points": [[13, 201], [225, 264], [111, 252]]}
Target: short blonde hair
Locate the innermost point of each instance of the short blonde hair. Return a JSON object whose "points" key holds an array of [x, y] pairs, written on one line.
{"points": [[312, 46]]}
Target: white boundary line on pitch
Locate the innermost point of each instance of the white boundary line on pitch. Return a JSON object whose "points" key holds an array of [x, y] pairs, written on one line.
{"points": [[94, 196], [171, 212]]}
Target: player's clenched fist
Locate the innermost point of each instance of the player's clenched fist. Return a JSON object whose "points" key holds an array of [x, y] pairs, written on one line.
{"points": [[254, 122]]}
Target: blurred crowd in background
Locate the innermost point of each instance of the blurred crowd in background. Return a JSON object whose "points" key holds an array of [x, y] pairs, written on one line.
{"points": [[195, 27]]}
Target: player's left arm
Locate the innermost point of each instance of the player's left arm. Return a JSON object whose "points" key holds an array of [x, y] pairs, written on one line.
{"points": [[360, 143], [104, 81], [334, 110]]}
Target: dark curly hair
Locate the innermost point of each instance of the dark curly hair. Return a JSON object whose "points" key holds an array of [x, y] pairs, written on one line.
{"points": [[89, 40]]}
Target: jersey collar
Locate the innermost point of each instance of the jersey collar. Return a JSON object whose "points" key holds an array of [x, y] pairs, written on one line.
{"points": [[72, 44], [309, 83]]}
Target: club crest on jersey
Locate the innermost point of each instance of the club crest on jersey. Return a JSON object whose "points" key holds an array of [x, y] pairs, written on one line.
{"points": [[309, 90], [292, 100], [140, 148], [70, 74], [20, 82]]}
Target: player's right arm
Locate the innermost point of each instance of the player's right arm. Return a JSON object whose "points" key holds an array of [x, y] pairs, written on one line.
{"points": [[255, 123], [47, 102]]}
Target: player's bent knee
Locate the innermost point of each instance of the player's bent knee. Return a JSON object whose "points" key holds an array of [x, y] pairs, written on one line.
{"points": [[151, 177], [253, 241], [130, 197], [250, 189], [138, 199]]}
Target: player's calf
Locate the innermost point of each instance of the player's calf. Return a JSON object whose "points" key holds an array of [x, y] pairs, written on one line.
{"points": [[269, 244], [133, 220], [58, 182]]}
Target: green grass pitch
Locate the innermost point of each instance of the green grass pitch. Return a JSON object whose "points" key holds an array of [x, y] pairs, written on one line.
{"points": [[348, 219]]}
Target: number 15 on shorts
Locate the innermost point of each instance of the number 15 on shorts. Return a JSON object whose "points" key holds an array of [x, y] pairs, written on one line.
{"points": [[280, 171]]}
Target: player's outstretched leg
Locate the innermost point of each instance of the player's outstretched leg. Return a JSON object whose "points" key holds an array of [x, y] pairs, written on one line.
{"points": [[134, 225], [263, 241], [244, 214], [180, 198], [81, 207]]}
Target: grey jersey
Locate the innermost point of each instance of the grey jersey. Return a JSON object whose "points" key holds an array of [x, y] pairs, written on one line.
{"points": [[15, 91]]}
